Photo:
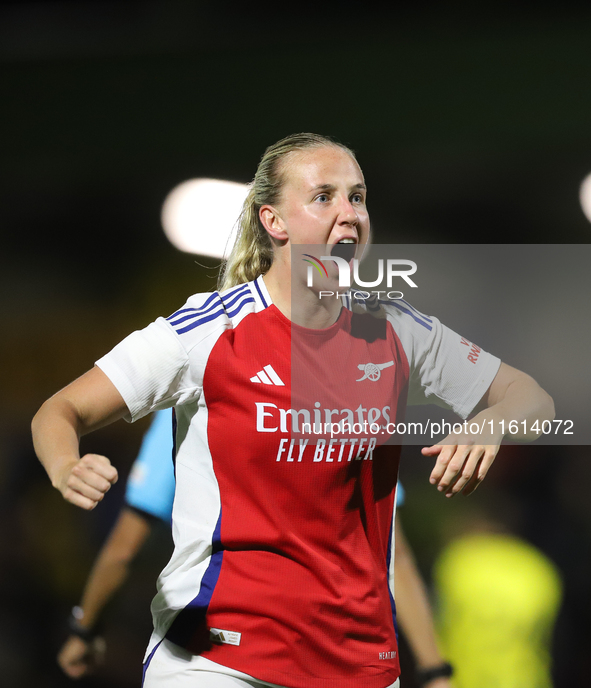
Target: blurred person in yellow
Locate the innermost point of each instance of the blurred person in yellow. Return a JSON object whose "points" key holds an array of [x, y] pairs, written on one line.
{"points": [[499, 597]]}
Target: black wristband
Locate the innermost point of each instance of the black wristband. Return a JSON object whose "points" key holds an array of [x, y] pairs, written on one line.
{"points": [[86, 634], [444, 670]]}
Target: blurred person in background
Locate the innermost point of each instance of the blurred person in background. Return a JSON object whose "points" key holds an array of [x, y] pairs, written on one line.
{"points": [[414, 612], [148, 497], [498, 598]]}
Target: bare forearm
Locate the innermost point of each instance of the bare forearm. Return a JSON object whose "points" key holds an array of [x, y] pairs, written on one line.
{"points": [[88, 403], [56, 438], [416, 620], [79, 655], [56, 434], [105, 579], [524, 402], [112, 566], [412, 607]]}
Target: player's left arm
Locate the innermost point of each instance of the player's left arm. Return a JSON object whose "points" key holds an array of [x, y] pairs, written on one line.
{"points": [[463, 460]]}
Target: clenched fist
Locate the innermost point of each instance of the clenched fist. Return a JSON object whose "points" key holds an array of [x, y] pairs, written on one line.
{"points": [[86, 481]]}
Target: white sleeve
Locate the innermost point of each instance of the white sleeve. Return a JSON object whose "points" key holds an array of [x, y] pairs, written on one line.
{"points": [[445, 368], [150, 369]]}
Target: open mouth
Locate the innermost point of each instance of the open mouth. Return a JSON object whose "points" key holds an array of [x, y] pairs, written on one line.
{"points": [[345, 248]]}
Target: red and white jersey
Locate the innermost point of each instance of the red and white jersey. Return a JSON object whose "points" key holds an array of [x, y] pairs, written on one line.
{"points": [[283, 539]]}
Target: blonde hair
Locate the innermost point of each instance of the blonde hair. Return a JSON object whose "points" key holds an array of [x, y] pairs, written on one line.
{"points": [[252, 253]]}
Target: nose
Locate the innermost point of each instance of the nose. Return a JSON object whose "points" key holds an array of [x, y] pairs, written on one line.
{"points": [[347, 213]]}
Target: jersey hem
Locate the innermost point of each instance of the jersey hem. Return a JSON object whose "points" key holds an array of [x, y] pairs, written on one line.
{"points": [[273, 679]]}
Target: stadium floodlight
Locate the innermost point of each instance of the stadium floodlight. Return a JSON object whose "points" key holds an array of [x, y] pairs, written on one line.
{"points": [[585, 196], [199, 215]]}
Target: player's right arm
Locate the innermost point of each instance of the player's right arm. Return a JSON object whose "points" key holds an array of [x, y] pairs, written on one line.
{"points": [[88, 403]]}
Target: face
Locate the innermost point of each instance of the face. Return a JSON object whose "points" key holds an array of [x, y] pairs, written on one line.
{"points": [[323, 199]]}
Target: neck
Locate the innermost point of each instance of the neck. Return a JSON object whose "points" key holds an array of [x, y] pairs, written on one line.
{"points": [[299, 303]]}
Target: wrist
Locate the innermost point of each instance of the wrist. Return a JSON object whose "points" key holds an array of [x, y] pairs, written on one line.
{"points": [[77, 627], [427, 674], [60, 470]]}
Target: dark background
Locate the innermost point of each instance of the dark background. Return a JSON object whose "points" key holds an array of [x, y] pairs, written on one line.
{"points": [[472, 123]]}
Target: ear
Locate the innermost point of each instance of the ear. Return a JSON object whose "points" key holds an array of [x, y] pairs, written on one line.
{"points": [[272, 222]]}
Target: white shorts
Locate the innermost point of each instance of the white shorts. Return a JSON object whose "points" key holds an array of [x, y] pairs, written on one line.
{"points": [[172, 667]]}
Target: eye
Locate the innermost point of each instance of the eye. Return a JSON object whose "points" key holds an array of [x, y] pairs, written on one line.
{"points": [[322, 198], [357, 198]]}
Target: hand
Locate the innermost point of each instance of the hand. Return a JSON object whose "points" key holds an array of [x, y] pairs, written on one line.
{"points": [[463, 460], [78, 658], [86, 481]]}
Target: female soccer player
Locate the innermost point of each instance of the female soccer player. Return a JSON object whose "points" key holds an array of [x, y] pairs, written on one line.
{"points": [[283, 540]]}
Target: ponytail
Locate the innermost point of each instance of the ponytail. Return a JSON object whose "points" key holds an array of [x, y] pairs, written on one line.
{"points": [[252, 253]]}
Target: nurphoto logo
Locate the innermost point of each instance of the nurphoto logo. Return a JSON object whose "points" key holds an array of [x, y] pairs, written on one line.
{"points": [[394, 267]]}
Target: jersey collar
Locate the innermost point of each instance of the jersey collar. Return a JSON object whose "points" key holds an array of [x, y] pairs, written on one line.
{"points": [[260, 293]]}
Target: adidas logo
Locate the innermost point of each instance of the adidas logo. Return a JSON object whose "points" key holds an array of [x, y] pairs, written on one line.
{"points": [[268, 377]]}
